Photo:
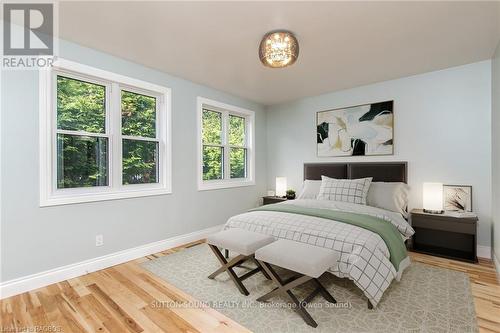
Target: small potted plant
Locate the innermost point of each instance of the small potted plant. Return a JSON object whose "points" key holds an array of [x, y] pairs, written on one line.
{"points": [[290, 194]]}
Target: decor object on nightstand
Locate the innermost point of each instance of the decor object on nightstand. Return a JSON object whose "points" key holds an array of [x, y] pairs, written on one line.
{"points": [[457, 198], [290, 194], [433, 198], [445, 235], [280, 186], [272, 200]]}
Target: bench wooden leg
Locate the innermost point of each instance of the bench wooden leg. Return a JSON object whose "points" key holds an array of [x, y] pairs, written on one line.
{"points": [[228, 267], [232, 263], [370, 305], [326, 294], [301, 310], [262, 269], [284, 287]]}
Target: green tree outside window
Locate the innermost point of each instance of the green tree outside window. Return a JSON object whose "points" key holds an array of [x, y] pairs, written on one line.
{"points": [[214, 144], [82, 160], [82, 142], [139, 157], [213, 151]]}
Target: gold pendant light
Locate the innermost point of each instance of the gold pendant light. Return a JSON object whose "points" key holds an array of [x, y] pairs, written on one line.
{"points": [[278, 49]]}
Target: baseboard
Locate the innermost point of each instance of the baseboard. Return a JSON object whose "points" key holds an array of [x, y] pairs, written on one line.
{"points": [[484, 252], [42, 279]]}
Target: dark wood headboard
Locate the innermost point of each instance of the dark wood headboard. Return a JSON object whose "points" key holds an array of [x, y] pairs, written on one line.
{"points": [[380, 171]]}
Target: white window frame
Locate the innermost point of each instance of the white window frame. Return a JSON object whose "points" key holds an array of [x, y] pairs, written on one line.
{"points": [[226, 110], [50, 195]]}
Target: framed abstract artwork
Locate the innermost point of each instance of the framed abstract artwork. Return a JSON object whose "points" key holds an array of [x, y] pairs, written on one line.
{"points": [[356, 131], [457, 198]]}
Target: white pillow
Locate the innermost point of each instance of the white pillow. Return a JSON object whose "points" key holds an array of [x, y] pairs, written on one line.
{"points": [[346, 190], [389, 196], [310, 189]]}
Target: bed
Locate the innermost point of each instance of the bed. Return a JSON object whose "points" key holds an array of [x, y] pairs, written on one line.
{"points": [[364, 255]]}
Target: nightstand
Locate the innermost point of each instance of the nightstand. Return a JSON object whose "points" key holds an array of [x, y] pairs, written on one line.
{"points": [[272, 200], [445, 235]]}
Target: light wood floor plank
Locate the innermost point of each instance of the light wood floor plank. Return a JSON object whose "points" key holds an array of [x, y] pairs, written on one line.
{"points": [[54, 315], [129, 302], [109, 321], [79, 287], [87, 315], [204, 319], [125, 319], [168, 320]]}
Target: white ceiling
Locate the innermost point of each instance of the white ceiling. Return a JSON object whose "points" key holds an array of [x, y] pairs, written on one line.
{"points": [[342, 44]]}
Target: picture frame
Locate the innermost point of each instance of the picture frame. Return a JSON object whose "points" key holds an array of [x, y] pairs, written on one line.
{"points": [[360, 130], [457, 198]]}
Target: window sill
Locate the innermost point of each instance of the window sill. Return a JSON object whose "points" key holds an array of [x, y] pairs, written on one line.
{"points": [[68, 199], [218, 185]]}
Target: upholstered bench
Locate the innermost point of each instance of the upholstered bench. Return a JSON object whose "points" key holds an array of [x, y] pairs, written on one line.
{"points": [[240, 241], [307, 260]]}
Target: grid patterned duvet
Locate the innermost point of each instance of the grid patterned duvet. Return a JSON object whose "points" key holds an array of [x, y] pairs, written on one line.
{"points": [[364, 256]]}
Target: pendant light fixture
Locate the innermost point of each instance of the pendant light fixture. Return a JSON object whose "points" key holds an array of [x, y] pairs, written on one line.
{"points": [[278, 49]]}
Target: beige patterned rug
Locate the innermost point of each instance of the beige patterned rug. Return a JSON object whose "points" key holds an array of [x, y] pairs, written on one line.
{"points": [[428, 299]]}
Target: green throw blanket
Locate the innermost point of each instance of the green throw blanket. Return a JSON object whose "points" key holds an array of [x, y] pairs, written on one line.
{"points": [[384, 229]]}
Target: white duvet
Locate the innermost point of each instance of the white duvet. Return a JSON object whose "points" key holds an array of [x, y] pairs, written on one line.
{"points": [[364, 256]]}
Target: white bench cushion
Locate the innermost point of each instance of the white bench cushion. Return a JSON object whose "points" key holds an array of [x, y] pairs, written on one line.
{"points": [[239, 240], [299, 257]]}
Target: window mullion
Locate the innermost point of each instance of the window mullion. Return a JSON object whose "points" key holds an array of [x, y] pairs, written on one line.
{"points": [[115, 134], [53, 134], [247, 149], [160, 152], [83, 133], [140, 138], [225, 142]]}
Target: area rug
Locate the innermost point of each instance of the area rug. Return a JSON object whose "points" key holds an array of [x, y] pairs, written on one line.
{"points": [[427, 299]]}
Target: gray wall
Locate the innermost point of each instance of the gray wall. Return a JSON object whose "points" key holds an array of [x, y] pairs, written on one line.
{"points": [[495, 129], [35, 239], [442, 128]]}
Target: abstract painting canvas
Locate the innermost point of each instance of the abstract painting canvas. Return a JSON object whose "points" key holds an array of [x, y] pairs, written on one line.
{"points": [[457, 198], [358, 130]]}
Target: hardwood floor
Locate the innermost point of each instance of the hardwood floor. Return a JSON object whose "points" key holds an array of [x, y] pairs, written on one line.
{"points": [[125, 298], [485, 287]]}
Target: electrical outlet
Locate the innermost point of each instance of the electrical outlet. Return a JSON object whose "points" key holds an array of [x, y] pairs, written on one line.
{"points": [[99, 240]]}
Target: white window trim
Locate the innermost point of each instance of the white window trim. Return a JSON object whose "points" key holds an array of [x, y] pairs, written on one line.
{"points": [[249, 115], [49, 194]]}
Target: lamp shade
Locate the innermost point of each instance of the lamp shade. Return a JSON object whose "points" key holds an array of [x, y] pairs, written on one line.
{"points": [[433, 198], [280, 186]]}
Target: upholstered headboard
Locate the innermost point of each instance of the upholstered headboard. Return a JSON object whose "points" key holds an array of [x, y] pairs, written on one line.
{"points": [[380, 171]]}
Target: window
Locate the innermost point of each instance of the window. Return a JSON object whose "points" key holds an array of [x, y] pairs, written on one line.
{"points": [[139, 138], [82, 136], [102, 136], [226, 154]]}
